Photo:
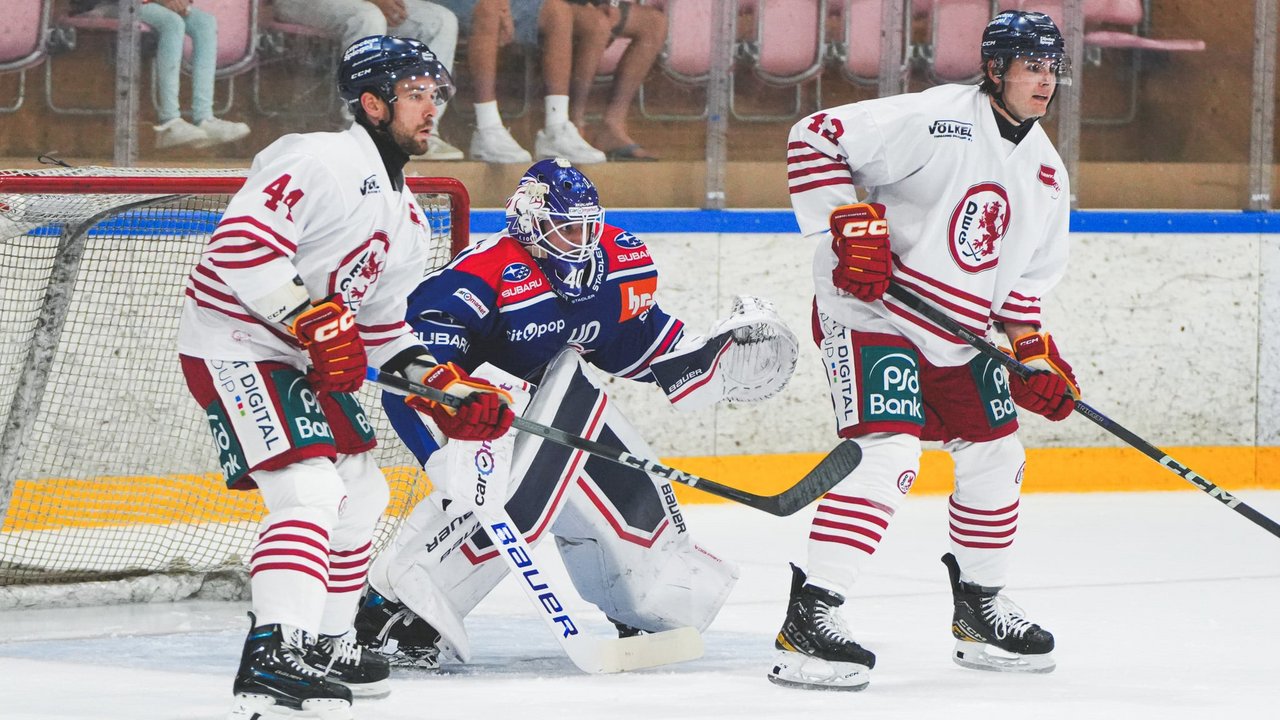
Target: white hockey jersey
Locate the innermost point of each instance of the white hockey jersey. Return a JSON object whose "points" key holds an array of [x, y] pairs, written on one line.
{"points": [[977, 225], [319, 206]]}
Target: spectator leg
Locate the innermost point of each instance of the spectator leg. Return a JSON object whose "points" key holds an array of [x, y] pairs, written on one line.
{"points": [[169, 30], [203, 29]]}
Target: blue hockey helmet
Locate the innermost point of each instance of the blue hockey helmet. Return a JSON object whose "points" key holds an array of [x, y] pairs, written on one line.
{"points": [[1021, 34], [378, 62], [556, 213]]}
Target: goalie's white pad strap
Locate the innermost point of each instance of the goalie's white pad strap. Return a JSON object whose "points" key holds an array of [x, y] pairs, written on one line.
{"points": [[746, 357]]}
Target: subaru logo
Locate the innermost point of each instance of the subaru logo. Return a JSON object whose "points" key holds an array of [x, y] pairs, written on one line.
{"points": [[516, 272]]}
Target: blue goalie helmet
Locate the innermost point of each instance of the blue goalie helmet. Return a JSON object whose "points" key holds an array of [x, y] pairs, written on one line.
{"points": [[555, 213], [378, 62], [1032, 35]]}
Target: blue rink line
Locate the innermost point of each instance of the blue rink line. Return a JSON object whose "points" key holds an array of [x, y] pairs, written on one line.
{"points": [[483, 222], [782, 221]]}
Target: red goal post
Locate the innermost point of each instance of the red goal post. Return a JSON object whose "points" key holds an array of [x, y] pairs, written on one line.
{"points": [[107, 470]]}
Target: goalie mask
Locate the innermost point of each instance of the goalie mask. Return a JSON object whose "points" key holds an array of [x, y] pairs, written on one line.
{"points": [[555, 213]]}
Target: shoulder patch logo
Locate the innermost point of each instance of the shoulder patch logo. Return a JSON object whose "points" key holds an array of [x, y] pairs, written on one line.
{"points": [[627, 240], [1048, 176], [359, 271], [951, 129], [516, 272], [370, 185], [978, 225]]}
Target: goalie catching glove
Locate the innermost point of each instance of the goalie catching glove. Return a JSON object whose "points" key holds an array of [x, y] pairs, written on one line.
{"points": [[860, 239], [747, 357], [1052, 390], [483, 415], [327, 330]]}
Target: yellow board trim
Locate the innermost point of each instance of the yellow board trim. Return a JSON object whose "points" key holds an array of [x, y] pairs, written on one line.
{"points": [[57, 503]]}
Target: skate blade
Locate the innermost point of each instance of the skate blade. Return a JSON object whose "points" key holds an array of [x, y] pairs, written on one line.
{"points": [[794, 670], [981, 656], [367, 691], [248, 706]]}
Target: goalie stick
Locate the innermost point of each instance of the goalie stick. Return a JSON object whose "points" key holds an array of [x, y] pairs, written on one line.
{"points": [[832, 469], [982, 345], [590, 654]]}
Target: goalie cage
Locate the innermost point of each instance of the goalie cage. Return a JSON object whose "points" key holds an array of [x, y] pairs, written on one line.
{"points": [[107, 472]]}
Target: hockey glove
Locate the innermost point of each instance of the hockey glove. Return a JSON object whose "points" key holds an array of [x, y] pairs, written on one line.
{"points": [[484, 414], [1052, 390], [860, 239], [328, 332]]}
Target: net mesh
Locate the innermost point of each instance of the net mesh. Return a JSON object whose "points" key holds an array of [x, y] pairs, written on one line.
{"points": [[114, 475]]}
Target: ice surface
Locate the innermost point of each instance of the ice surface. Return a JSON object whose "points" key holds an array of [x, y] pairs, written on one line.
{"points": [[1165, 605]]}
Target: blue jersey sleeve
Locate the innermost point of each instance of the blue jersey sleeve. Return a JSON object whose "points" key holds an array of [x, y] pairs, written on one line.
{"points": [[637, 342]]}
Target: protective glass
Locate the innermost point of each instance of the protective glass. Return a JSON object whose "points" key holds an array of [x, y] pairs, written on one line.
{"points": [[1032, 68]]}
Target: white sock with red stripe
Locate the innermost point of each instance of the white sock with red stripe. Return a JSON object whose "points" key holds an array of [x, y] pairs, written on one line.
{"points": [[852, 518], [289, 570], [983, 510]]}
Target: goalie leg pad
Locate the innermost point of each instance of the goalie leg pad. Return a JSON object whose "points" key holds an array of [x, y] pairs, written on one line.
{"points": [[853, 517], [984, 507]]}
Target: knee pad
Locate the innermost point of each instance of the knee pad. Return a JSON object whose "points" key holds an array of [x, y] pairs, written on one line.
{"points": [[312, 485], [988, 474], [669, 588], [890, 463], [367, 495]]}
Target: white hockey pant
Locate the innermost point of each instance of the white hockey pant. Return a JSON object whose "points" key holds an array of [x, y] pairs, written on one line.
{"points": [[312, 555], [853, 517], [983, 508]]}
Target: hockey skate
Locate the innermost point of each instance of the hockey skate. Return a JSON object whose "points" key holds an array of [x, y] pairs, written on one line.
{"points": [[395, 632], [991, 631], [817, 652], [273, 679], [363, 672]]}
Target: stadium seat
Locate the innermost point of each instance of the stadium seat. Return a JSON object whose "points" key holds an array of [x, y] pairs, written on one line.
{"points": [[23, 38], [686, 57], [955, 32], [786, 49], [237, 46], [286, 44], [858, 50]]}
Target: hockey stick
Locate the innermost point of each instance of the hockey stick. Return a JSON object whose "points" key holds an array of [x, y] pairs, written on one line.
{"points": [[590, 654], [832, 469], [982, 345]]}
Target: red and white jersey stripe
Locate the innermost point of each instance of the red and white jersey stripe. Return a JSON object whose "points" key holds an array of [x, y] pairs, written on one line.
{"points": [[321, 207], [977, 225], [986, 529], [853, 521]]}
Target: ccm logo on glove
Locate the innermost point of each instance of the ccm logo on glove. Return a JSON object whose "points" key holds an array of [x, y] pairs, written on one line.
{"points": [[860, 240], [328, 332]]}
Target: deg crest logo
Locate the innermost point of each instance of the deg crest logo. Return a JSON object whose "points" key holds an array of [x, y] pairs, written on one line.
{"points": [[978, 225]]}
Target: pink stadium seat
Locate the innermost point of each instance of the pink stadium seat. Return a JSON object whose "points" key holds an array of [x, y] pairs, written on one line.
{"points": [[956, 30], [22, 41], [859, 50], [687, 55], [612, 54], [789, 41]]}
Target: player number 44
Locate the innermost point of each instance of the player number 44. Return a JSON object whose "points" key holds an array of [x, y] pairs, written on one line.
{"points": [[278, 192]]}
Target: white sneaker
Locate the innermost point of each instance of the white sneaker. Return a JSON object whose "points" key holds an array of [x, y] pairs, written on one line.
{"points": [[438, 149], [179, 132], [564, 141], [222, 131], [495, 145]]}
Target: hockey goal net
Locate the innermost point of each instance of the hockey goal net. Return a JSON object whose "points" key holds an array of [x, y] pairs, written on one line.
{"points": [[107, 469]]}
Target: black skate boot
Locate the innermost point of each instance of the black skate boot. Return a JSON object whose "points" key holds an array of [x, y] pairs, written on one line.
{"points": [[273, 678], [396, 633], [991, 631], [817, 652], [626, 631], [364, 672]]}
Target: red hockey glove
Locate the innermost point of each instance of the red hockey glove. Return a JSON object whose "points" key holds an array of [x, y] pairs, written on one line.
{"points": [[328, 332], [860, 239], [484, 414], [1052, 390]]}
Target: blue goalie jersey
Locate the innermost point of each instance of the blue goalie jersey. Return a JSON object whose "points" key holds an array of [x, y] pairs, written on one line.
{"points": [[493, 304]]}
